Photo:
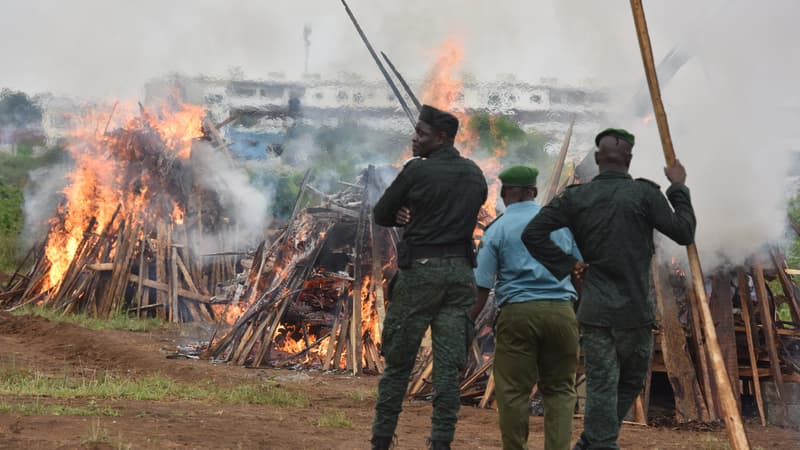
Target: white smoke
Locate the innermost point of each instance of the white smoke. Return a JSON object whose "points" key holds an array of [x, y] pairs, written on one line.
{"points": [[246, 207], [731, 120]]}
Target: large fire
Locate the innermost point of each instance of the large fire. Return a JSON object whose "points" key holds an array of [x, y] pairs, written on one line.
{"points": [[109, 174], [444, 89]]}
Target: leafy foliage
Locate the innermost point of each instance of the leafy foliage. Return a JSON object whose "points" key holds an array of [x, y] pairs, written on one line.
{"points": [[793, 252], [14, 170], [497, 132], [18, 110]]}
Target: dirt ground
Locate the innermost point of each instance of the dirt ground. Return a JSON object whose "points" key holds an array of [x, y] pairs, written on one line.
{"points": [[36, 343]]}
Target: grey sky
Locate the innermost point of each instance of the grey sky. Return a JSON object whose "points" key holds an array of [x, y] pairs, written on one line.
{"points": [[110, 47]]}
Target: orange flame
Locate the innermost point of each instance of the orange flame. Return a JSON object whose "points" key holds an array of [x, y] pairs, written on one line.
{"points": [[98, 183], [444, 90]]}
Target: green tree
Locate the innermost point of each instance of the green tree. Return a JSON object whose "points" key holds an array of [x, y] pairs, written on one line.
{"points": [[518, 146], [18, 110], [793, 252]]}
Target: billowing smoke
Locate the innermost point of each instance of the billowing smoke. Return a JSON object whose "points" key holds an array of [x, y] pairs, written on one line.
{"points": [[246, 207], [732, 122]]}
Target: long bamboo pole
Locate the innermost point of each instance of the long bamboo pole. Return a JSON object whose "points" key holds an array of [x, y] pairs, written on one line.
{"points": [[730, 412], [555, 175]]}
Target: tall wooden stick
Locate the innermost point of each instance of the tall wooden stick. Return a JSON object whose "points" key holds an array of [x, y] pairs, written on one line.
{"points": [[730, 412], [555, 175], [377, 60], [744, 301]]}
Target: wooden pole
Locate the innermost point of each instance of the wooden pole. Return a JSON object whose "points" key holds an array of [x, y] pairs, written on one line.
{"points": [[744, 300], [737, 436], [768, 328], [555, 174]]}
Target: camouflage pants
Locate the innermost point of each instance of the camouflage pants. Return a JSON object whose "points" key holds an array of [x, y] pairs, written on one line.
{"points": [[616, 363], [435, 292]]}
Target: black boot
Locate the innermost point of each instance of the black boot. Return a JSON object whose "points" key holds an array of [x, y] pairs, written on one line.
{"points": [[381, 442], [438, 445]]}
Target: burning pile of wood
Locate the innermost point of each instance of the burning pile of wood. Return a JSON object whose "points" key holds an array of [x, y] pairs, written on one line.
{"points": [[121, 240], [758, 342], [315, 295]]}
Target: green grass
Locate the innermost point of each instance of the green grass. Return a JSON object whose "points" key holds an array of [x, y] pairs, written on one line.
{"points": [[335, 419], [363, 394], [262, 394], [8, 253], [106, 385], [119, 322], [56, 410]]}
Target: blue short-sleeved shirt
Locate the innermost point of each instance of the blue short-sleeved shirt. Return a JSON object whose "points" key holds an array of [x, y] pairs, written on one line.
{"points": [[505, 264]]}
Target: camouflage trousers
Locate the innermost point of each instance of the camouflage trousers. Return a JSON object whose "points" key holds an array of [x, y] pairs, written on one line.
{"points": [[616, 363], [435, 292]]}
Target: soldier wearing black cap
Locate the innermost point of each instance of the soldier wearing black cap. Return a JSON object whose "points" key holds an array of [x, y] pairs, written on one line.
{"points": [[612, 219], [436, 198]]}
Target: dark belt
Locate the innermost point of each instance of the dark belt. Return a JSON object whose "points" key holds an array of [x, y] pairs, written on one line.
{"points": [[442, 251]]}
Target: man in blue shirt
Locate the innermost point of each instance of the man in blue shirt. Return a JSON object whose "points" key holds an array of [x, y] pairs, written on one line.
{"points": [[536, 333]]}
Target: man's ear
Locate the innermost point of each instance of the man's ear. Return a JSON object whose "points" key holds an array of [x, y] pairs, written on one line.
{"points": [[535, 191], [443, 138], [628, 159], [597, 158]]}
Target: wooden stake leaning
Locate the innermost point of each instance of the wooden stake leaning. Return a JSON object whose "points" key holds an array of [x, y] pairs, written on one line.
{"points": [[737, 436], [744, 300]]}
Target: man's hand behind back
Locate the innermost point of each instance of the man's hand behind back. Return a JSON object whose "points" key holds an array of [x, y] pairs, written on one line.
{"points": [[676, 173], [403, 216]]}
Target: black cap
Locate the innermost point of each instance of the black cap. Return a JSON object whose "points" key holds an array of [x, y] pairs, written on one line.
{"points": [[439, 120]]}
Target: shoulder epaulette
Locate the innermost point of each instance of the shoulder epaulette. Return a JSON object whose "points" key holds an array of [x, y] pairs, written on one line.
{"points": [[649, 183]]}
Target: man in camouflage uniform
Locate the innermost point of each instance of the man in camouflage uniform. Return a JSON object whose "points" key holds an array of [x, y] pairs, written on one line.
{"points": [[436, 198], [612, 219]]}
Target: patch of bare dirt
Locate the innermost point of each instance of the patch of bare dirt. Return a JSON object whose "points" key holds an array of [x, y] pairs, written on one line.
{"points": [[39, 344]]}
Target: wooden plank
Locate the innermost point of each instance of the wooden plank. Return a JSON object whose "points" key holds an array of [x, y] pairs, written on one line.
{"points": [[142, 273], [377, 274], [164, 287], [709, 394], [335, 336], [185, 272], [356, 339], [343, 338], [477, 374], [768, 329], [721, 305], [744, 300], [243, 341], [265, 346], [419, 383], [487, 394], [101, 267], [174, 286], [786, 283], [256, 336], [161, 267], [689, 402]]}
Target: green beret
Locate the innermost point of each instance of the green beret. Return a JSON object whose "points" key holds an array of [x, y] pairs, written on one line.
{"points": [[616, 132], [439, 120], [519, 176]]}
